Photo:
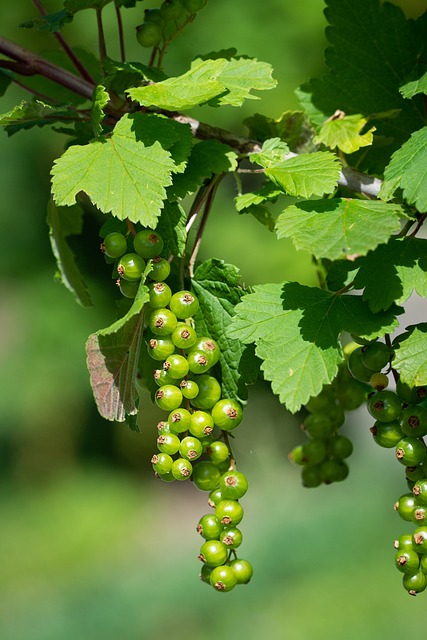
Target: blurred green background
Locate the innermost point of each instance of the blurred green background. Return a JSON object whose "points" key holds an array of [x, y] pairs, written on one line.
{"points": [[91, 546]]}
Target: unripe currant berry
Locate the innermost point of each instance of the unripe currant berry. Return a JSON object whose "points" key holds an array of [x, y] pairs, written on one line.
{"points": [[160, 348], [209, 392], [379, 381], [384, 406], [184, 336], [201, 424], [168, 443], [190, 448], [375, 355], [128, 289], [162, 462], [407, 560], [148, 34], [161, 377], [209, 527], [404, 506], [147, 243], [176, 366], [172, 9], [242, 569], [168, 397], [213, 553], [223, 578], [206, 475], [218, 452], [160, 269], [193, 6], [198, 361], [229, 512], [387, 434], [227, 414], [209, 347], [179, 420], [162, 322], [413, 421], [184, 304], [419, 540], [410, 395], [114, 245], [130, 267], [154, 15], [160, 293], [181, 469], [233, 485], [410, 451], [231, 537], [420, 491], [357, 368], [189, 389], [311, 476]]}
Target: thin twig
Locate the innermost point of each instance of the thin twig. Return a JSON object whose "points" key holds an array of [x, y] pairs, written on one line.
{"points": [[348, 287], [419, 225], [203, 221], [121, 33], [197, 204], [227, 442], [101, 38], [64, 44]]}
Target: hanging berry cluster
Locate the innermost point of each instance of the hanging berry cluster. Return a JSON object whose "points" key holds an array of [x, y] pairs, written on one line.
{"points": [[193, 439]]}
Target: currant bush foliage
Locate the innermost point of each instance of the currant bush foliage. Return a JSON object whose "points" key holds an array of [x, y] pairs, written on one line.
{"points": [[346, 170]]}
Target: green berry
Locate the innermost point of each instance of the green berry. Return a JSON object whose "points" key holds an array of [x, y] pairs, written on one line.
{"points": [[333, 470], [201, 424], [128, 289], [209, 392], [340, 447], [233, 485], [162, 377], [198, 361], [356, 366], [193, 6], [147, 243], [419, 515], [384, 406], [168, 397], [184, 304], [172, 9], [168, 443], [229, 512], [420, 491], [154, 15], [130, 267], [242, 569], [231, 537], [227, 414], [413, 421], [176, 366], [191, 448], [160, 348], [162, 322], [213, 553], [410, 395], [218, 452], [404, 542], [209, 527], [407, 560], [184, 336], [160, 293], [313, 452], [189, 389], [206, 475], [181, 469], [179, 420], [311, 476], [160, 269], [162, 462], [375, 355], [410, 451], [404, 506], [379, 381], [148, 34], [209, 347], [419, 540], [387, 434], [215, 497], [414, 582], [223, 578], [114, 245], [318, 425]]}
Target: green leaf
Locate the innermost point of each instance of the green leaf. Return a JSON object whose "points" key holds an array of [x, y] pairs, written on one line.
{"points": [[307, 174], [100, 101], [410, 359], [50, 22], [63, 222], [208, 158], [373, 50], [408, 171], [122, 75], [5, 80], [273, 151], [416, 83], [402, 265], [338, 227], [345, 134], [227, 81], [240, 77], [255, 204], [296, 330], [196, 86], [112, 359], [32, 114], [171, 227], [292, 127], [217, 287], [119, 174]]}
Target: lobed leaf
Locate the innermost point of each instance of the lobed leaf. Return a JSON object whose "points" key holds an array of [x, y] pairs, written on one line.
{"points": [[112, 360], [50, 22], [32, 114], [296, 330], [121, 174], [63, 222], [217, 287], [171, 227], [239, 77], [100, 100], [307, 174], [401, 264], [338, 227], [410, 359], [408, 171], [417, 83], [345, 134]]}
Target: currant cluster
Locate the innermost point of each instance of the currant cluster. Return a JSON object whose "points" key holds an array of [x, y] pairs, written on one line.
{"points": [[323, 455], [153, 30], [129, 255], [400, 423]]}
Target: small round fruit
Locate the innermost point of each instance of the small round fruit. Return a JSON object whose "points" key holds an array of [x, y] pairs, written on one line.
{"points": [[333, 470], [189, 389], [356, 366], [404, 542], [162, 462], [313, 452], [206, 475], [176, 366], [242, 569], [213, 553], [215, 496], [160, 348], [420, 491], [181, 469], [218, 452], [201, 424], [209, 347], [148, 34], [148, 243], [179, 420], [154, 15], [160, 293], [229, 512], [184, 336], [413, 421], [318, 425], [130, 267], [209, 527], [209, 392], [162, 322], [190, 448], [128, 289], [168, 443], [193, 6], [233, 485], [184, 304], [384, 406], [414, 582], [168, 397], [387, 434], [311, 476], [404, 506], [419, 540], [160, 269], [227, 414], [379, 381], [231, 537], [407, 560], [340, 447], [198, 361], [172, 9], [410, 451], [375, 355], [223, 578], [114, 245], [410, 395]]}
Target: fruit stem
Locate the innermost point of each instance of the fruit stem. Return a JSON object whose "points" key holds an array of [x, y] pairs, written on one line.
{"points": [[348, 287], [227, 442], [101, 38], [121, 32], [208, 205]]}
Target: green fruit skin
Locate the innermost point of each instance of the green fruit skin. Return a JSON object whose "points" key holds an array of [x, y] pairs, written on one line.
{"points": [[206, 476], [168, 397], [357, 368], [147, 243], [184, 304], [375, 356], [213, 553], [410, 395], [229, 512], [242, 569], [311, 476], [384, 406], [404, 506], [233, 485], [410, 451], [223, 578], [420, 491], [115, 244], [130, 267], [419, 540], [387, 434], [407, 560], [128, 289], [227, 414], [414, 582], [160, 294], [231, 537], [209, 527], [413, 421], [149, 34], [209, 392]]}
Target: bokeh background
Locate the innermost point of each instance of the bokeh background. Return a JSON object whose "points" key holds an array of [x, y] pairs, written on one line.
{"points": [[91, 545]]}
